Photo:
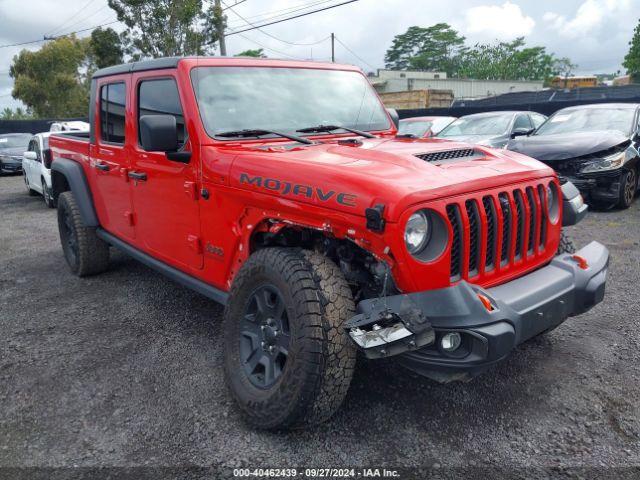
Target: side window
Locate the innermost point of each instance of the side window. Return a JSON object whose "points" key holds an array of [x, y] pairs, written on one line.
{"points": [[160, 97], [32, 145], [523, 122], [112, 111], [537, 119], [38, 151]]}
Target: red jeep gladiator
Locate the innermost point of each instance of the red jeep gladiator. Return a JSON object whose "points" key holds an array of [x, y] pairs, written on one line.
{"points": [[280, 189]]}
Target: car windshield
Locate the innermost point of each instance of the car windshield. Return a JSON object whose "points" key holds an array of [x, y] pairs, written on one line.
{"points": [[14, 141], [420, 127], [285, 99], [588, 120], [478, 125]]}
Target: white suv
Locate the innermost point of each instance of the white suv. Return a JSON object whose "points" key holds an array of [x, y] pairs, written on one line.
{"points": [[36, 167]]}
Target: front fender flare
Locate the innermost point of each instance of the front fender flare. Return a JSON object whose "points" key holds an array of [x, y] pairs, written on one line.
{"points": [[76, 181]]}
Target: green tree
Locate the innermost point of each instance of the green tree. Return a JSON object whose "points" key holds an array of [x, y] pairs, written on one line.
{"points": [[258, 53], [17, 114], [161, 28], [52, 81], [435, 48], [632, 59], [105, 48]]}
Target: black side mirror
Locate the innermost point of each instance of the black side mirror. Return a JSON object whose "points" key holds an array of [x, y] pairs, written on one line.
{"points": [[47, 158], [159, 133], [521, 132], [395, 118]]}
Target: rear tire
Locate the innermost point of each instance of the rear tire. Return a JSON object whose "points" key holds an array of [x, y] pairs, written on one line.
{"points": [[305, 294], [30, 192], [86, 254], [46, 194], [566, 245]]}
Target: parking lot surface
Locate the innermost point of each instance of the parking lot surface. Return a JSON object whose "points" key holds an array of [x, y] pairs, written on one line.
{"points": [[125, 369]]}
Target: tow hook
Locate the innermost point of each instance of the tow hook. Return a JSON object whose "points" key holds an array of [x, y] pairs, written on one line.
{"points": [[383, 333]]}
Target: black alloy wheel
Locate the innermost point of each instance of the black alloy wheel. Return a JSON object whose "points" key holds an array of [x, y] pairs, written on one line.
{"points": [[264, 336], [628, 187]]}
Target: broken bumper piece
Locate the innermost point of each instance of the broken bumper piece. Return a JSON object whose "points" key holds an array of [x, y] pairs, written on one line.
{"points": [[381, 332]]}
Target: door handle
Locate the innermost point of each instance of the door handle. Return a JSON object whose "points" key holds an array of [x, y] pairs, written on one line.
{"points": [[139, 176], [103, 166]]}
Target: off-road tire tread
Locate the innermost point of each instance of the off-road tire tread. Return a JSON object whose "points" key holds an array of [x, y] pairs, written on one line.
{"points": [[93, 252], [323, 302], [566, 244]]}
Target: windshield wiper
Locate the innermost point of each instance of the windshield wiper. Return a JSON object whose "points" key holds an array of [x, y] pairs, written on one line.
{"points": [[258, 132], [331, 128]]}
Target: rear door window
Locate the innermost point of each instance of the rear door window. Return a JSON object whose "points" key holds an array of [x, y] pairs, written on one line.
{"points": [[112, 113]]}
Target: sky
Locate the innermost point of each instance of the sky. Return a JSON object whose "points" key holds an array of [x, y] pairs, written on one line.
{"points": [[593, 33]]}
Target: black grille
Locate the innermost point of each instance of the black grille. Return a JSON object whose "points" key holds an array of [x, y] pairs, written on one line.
{"points": [[533, 215], [517, 196], [447, 155], [456, 245], [492, 225], [474, 236], [505, 206], [543, 216]]}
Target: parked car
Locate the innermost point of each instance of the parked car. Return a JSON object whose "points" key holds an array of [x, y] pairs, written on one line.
{"points": [[423, 127], [493, 129], [36, 167], [593, 146], [12, 146], [69, 126], [321, 232]]}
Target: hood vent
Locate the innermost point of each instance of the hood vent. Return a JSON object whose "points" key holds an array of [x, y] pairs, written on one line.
{"points": [[445, 156]]}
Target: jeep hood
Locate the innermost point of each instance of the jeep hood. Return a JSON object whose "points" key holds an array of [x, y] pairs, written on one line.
{"points": [[376, 171], [565, 146]]}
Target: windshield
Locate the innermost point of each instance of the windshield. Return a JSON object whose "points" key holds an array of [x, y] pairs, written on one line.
{"points": [[285, 99], [14, 141], [419, 128], [480, 125], [588, 120]]}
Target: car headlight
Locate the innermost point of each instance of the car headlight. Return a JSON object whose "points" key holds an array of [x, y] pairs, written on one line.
{"points": [[416, 233], [606, 163]]}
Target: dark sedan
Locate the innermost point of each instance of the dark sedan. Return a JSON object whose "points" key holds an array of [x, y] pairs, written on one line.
{"points": [[12, 146], [593, 146], [493, 129]]}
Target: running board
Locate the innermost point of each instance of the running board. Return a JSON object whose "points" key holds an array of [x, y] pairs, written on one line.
{"points": [[173, 273]]}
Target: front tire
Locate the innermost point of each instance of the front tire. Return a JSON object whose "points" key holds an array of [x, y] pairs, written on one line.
{"points": [[628, 188], [86, 254], [288, 362]]}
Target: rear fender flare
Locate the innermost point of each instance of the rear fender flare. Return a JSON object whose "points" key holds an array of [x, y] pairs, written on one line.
{"points": [[69, 175]]}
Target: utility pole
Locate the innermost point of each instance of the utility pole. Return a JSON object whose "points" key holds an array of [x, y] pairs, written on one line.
{"points": [[333, 48], [220, 28]]}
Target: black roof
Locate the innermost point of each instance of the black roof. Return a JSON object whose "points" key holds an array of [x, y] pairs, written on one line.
{"points": [[155, 64]]}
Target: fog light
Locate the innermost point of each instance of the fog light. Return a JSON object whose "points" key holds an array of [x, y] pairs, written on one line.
{"points": [[450, 341]]}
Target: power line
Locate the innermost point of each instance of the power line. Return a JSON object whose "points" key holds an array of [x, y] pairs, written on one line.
{"points": [[84, 7], [86, 18], [268, 48], [285, 11], [234, 32], [355, 54], [58, 36], [273, 36]]}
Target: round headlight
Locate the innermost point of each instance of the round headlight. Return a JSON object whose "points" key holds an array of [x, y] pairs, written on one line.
{"points": [[416, 233]]}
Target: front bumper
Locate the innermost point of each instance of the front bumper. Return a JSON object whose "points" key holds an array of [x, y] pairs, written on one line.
{"points": [[600, 187], [520, 310], [10, 167]]}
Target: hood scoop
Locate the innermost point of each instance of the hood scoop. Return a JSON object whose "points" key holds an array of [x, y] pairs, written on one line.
{"points": [[450, 156]]}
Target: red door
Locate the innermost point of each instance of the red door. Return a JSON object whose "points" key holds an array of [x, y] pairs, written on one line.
{"points": [[109, 159], [165, 191]]}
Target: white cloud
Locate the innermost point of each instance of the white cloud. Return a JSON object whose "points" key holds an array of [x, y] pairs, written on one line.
{"points": [[503, 22], [589, 16]]}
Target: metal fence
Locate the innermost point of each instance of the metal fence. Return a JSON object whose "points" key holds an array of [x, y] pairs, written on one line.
{"points": [[32, 126]]}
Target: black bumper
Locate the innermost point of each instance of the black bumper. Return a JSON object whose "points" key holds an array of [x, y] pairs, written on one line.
{"points": [[521, 309], [10, 167], [600, 187]]}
